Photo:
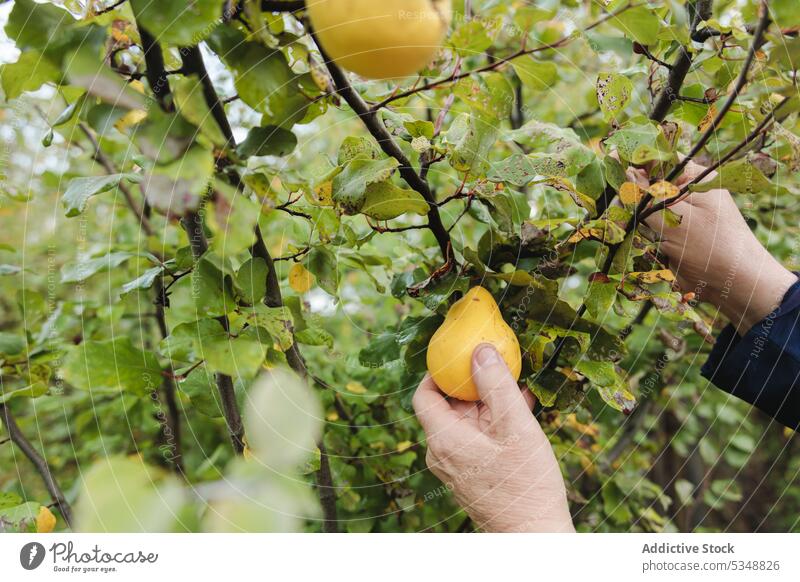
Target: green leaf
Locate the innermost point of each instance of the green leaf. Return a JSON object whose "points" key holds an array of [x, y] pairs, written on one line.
{"points": [[600, 299], [262, 77], [251, 279], [11, 344], [267, 141], [122, 494], [384, 201], [232, 218], [358, 147], [470, 140], [535, 75], [613, 92], [178, 187], [786, 13], [79, 190], [633, 136], [639, 23], [29, 73], [349, 187], [81, 271], [609, 384], [188, 94], [211, 289], [470, 38], [239, 356], [178, 23], [277, 321], [144, 281], [322, 264], [739, 177], [33, 391], [112, 365], [201, 388]]}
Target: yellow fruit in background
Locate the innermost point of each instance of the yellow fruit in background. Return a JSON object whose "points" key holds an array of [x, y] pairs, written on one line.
{"points": [[300, 279], [471, 321], [45, 520], [380, 39]]}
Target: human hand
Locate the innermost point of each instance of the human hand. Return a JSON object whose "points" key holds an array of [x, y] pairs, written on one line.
{"points": [[715, 255], [493, 453]]}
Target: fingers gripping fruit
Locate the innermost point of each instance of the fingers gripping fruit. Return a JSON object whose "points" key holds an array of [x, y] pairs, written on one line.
{"points": [[473, 320], [380, 39]]}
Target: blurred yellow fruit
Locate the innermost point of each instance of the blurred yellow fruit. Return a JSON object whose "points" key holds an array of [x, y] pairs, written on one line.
{"points": [[380, 39], [45, 520], [300, 279]]}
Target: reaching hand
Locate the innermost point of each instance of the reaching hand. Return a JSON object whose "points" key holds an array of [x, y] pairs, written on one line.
{"points": [[715, 255], [493, 453]]}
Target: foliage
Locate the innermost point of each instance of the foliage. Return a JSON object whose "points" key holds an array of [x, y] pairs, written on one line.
{"points": [[186, 210]]}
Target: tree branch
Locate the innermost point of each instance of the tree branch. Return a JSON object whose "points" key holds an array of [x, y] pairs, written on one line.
{"points": [[376, 128], [702, 8], [193, 61], [18, 438], [282, 5], [758, 131], [494, 65], [193, 225], [699, 11]]}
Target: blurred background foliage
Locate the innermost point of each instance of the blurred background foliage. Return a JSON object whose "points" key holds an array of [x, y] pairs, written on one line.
{"points": [[102, 180]]}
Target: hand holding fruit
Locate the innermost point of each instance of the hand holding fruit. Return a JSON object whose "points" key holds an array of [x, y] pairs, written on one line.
{"points": [[493, 453]]}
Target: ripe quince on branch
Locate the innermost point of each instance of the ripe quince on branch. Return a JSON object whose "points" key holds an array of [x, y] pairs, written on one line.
{"points": [[380, 39]]}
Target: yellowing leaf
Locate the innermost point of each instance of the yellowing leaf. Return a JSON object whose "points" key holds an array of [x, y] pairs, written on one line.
{"points": [[630, 193], [332, 416], [132, 117], [300, 279], [663, 190], [650, 277], [403, 445], [322, 195], [709, 118], [45, 520], [356, 387]]}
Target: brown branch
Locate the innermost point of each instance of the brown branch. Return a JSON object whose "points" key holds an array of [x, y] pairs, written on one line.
{"points": [[193, 64], [376, 128], [173, 417], [494, 65], [19, 439], [156, 72], [193, 225], [282, 5], [758, 38], [758, 131], [699, 11], [702, 11], [193, 59]]}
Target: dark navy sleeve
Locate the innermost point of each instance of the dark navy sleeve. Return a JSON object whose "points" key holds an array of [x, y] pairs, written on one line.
{"points": [[763, 366]]}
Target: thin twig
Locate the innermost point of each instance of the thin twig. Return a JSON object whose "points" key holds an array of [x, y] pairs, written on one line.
{"points": [[19, 439], [494, 65], [376, 128]]}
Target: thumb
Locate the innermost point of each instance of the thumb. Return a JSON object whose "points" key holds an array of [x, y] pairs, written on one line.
{"points": [[498, 390]]}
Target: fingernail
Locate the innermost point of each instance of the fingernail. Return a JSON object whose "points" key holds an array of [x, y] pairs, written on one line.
{"points": [[486, 355]]}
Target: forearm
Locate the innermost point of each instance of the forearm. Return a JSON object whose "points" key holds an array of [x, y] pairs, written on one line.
{"points": [[762, 365], [750, 295]]}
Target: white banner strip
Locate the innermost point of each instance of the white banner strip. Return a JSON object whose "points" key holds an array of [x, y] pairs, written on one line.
{"points": [[400, 557]]}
